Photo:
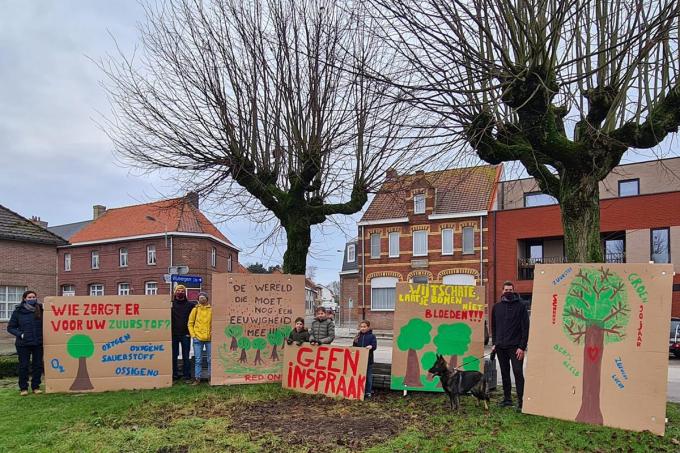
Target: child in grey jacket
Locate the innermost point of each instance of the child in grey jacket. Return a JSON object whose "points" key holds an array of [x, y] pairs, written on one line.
{"points": [[323, 329]]}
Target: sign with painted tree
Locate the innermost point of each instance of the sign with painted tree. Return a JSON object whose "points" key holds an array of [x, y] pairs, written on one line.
{"points": [[432, 319], [252, 317], [598, 350], [96, 344]]}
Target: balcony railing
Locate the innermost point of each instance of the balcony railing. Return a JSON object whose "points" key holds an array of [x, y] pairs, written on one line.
{"points": [[525, 266]]}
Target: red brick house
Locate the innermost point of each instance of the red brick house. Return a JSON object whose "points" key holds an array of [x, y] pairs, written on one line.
{"points": [[639, 222], [128, 250], [28, 257], [425, 227]]}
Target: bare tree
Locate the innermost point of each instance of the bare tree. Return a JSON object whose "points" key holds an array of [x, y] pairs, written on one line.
{"points": [[565, 87], [262, 104]]}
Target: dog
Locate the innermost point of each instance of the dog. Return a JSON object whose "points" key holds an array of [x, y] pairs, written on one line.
{"points": [[459, 382]]}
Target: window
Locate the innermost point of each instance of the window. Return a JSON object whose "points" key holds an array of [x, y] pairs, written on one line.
{"points": [[151, 288], [229, 264], [420, 243], [538, 199], [383, 293], [394, 244], [151, 255], [94, 259], [629, 187], [96, 289], [68, 290], [660, 246], [123, 289], [534, 251], [10, 297], [375, 245], [447, 241], [459, 279], [468, 240], [351, 253], [123, 257], [67, 262], [213, 257], [615, 248], [419, 203]]}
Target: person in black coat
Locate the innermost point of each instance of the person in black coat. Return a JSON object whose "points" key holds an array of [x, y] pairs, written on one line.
{"points": [[181, 309], [510, 332], [366, 339], [26, 325], [299, 334]]}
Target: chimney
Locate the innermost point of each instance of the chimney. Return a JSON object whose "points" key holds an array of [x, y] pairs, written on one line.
{"points": [[420, 172], [97, 211], [192, 198], [391, 173], [38, 222]]}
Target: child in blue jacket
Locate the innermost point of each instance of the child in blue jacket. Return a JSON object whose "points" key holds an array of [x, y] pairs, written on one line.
{"points": [[366, 339]]}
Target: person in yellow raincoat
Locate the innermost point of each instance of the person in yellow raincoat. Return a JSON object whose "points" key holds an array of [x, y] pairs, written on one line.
{"points": [[199, 329]]}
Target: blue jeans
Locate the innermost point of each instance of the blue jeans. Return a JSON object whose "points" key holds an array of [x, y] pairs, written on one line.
{"points": [[185, 341], [369, 379], [198, 357], [25, 366]]}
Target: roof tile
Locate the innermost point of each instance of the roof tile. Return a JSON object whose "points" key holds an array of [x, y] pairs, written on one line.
{"points": [[15, 227]]}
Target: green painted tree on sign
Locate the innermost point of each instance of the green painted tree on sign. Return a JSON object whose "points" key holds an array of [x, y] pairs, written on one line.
{"points": [[412, 337], [470, 363], [81, 347], [596, 312], [258, 344], [454, 340], [275, 338], [427, 360], [285, 331], [234, 331], [244, 344]]}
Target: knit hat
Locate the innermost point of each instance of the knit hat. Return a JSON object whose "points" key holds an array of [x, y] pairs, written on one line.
{"points": [[204, 294], [178, 287]]}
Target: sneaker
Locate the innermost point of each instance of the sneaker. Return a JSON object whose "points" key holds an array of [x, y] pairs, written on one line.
{"points": [[368, 395], [505, 403], [196, 382], [24, 393], [37, 391]]}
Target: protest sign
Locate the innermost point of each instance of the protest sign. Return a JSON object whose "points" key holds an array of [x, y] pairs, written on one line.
{"points": [[338, 371], [598, 344], [252, 316], [95, 344], [431, 319]]}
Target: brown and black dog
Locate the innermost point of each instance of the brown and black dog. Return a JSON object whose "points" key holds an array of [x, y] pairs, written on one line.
{"points": [[460, 382]]}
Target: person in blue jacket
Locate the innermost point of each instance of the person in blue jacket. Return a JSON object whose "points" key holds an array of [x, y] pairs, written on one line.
{"points": [[366, 339], [26, 325]]}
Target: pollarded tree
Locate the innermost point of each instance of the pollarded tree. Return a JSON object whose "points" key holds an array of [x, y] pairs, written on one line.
{"points": [[413, 336], [565, 87], [275, 338], [454, 340], [266, 103], [244, 343], [258, 344], [234, 331], [596, 312], [81, 347]]}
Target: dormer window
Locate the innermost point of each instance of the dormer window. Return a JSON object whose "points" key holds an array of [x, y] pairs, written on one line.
{"points": [[419, 203]]}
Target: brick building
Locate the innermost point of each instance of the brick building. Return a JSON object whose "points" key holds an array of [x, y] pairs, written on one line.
{"points": [[128, 250], [425, 227], [28, 260], [639, 222]]}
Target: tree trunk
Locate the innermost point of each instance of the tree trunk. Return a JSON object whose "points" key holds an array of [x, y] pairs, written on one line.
{"points": [[592, 363], [412, 378], [82, 381], [244, 357], [234, 344], [258, 358], [453, 363], [580, 206], [275, 355], [299, 235]]}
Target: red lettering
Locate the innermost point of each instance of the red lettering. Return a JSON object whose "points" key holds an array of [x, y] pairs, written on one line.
{"points": [[320, 377], [306, 362], [362, 386], [319, 357], [309, 374], [353, 364], [131, 309], [299, 377], [330, 383], [332, 358], [342, 386], [428, 313]]}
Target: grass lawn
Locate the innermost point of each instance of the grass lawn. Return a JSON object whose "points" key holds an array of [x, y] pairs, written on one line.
{"points": [[250, 418]]}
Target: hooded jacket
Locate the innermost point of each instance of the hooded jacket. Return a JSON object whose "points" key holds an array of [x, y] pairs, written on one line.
{"points": [[25, 326], [365, 339], [510, 322], [301, 336], [181, 309], [322, 331], [199, 322]]}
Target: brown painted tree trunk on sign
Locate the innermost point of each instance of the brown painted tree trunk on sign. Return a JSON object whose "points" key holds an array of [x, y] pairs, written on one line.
{"points": [[453, 363], [82, 381], [275, 355], [258, 358], [244, 357], [412, 378], [234, 344], [592, 364]]}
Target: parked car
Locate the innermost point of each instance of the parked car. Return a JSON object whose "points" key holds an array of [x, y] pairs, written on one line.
{"points": [[674, 340]]}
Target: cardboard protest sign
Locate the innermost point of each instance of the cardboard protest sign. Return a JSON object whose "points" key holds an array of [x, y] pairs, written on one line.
{"points": [[252, 316], [598, 344], [95, 344], [329, 370], [436, 319]]}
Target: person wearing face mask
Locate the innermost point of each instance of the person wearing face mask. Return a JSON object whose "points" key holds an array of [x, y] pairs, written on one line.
{"points": [[181, 309], [199, 329], [26, 325]]}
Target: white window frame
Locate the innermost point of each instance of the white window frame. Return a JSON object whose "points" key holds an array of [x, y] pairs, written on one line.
{"points": [[123, 257], [67, 262], [71, 290], [230, 265], [393, 244], [151, 255], [375, 246], [419, 203], [94, 289], [150, 290], [468, 249], [351, 253], [419, 234], [213, 257], [94, 259], [9, 301], [459, 279], [382, 283], [447, 232], [123, 290]]}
